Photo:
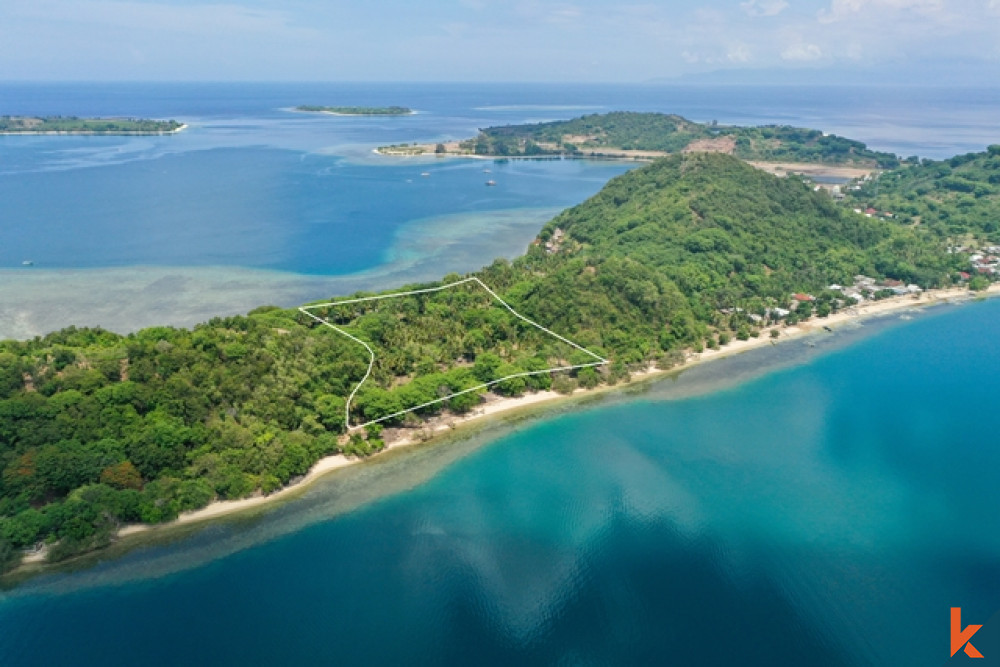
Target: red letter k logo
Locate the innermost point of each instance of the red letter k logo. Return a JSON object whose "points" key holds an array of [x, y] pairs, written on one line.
{"points": [[960, 637]]}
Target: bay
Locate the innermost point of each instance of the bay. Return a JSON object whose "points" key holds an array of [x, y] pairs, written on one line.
{"points": [[255, 204]]}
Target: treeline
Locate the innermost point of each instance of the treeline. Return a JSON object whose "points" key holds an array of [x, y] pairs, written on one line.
{"points": [[86, 125], [671, 134], [950, 198], [98, 429], [783, 143]]}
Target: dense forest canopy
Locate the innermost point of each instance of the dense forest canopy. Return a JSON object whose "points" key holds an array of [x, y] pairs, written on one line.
{"points": [[72, 124], [950, 198], [98, 429], [631, 131]]}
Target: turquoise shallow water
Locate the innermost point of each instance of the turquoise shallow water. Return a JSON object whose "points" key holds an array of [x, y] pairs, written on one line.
{"points": [[828, 512], [254, 204]]}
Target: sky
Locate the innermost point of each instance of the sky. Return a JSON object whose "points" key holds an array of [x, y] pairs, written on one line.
{"points": [[494, 40]]}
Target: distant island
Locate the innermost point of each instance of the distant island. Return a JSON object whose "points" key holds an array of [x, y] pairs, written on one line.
{"points": [[647, 136], [75, 125], [356, 111]]}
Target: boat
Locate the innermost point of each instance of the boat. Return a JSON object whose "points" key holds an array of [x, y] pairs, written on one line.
{"points": [[425, 174], [491, 182], [27, 262], [487, 171]]}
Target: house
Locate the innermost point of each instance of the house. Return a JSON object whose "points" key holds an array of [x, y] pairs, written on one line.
{"points": [[803, 297], [963, 275], [891, 283]]}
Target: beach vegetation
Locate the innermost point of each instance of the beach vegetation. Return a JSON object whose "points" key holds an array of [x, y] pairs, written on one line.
{"points": [[75, 125], [98, 429]]}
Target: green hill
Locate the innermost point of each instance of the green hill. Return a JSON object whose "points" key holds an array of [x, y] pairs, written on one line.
{"points": [[631, 131], [97, 429]]}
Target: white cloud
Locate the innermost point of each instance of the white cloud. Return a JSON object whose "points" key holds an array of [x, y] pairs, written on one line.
{"points": [[802, 52], [561, 14], [764, 7], [841, 10], [739, 53]]}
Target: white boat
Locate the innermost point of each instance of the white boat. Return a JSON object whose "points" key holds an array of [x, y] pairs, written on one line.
{"points": [[491, 182], [27, 262]]}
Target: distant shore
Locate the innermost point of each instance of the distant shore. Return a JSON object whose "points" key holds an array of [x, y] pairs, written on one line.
{"points": [[343, 111], [92, 133], [398, 438], [453, 150]]}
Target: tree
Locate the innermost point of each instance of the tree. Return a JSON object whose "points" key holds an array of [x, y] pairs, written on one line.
{"points": [[486, 366], [979, 283], [122, 475], [588, 378]]}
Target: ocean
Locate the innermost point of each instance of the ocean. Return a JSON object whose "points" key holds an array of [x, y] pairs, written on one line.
{"points": [[822, 502], [254, 204]]}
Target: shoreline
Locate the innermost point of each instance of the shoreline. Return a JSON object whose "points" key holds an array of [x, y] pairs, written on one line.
{"points": [[847, 172], [400, 438], [407, 437], [92, 133], [593, 155], [411, 112]]}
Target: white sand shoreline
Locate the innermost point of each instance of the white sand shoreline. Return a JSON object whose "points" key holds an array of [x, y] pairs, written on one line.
{"points": [[439, 426], [416, 436]]}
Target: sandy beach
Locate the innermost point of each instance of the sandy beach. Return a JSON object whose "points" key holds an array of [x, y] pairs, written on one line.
{"points": [[398, 438]]}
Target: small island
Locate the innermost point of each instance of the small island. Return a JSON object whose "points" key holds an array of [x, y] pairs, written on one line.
{"points": [[356, 111], [646, 136], [75, 125]]}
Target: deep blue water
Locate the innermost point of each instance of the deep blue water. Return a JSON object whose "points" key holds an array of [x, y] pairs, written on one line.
{"points": [[826, 513]]}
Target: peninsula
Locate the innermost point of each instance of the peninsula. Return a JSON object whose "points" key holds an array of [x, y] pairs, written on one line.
{"points": [[86, 126], [356, 111], [695, 254], [648, 136]]}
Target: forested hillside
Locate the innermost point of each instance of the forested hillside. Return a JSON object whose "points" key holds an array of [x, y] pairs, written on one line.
{"points": [[97, 429], [630, 131], [950, 198]]}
